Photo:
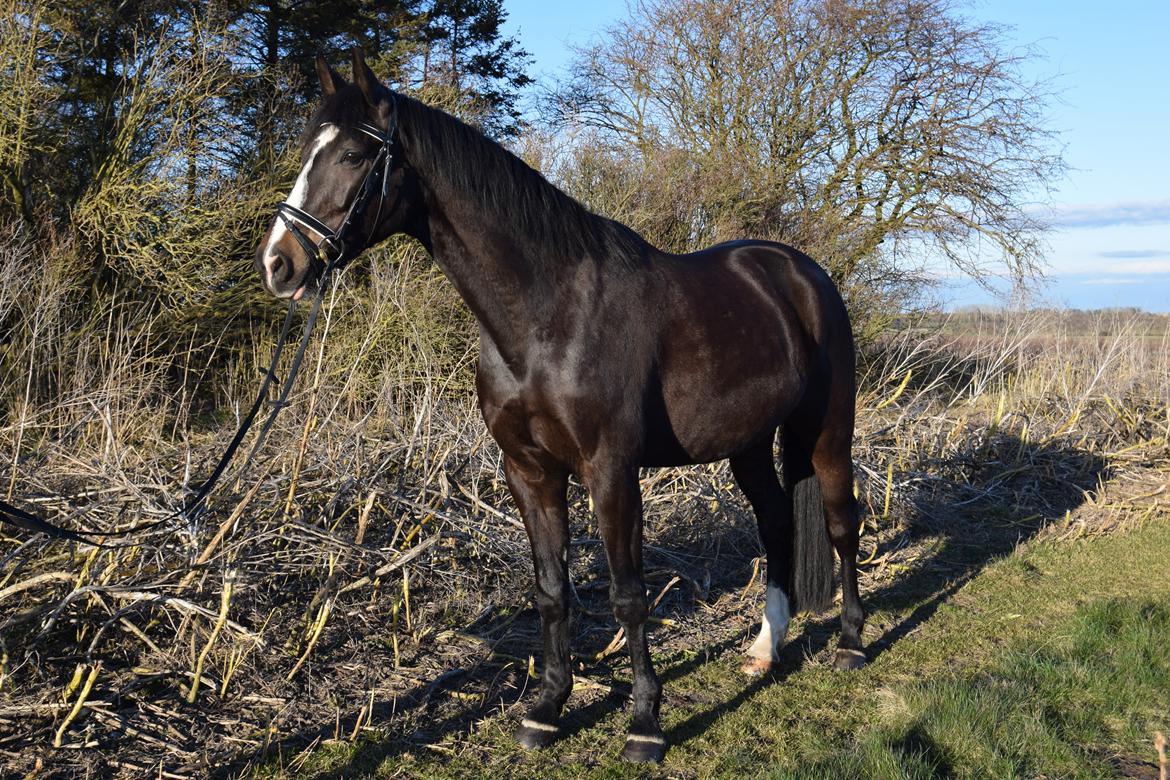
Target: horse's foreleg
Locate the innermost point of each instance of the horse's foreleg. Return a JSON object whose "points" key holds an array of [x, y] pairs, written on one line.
{"points": [[618, 502], [540, 495]]}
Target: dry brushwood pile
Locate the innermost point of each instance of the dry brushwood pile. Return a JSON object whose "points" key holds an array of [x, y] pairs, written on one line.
{"points": [[371, 576]]}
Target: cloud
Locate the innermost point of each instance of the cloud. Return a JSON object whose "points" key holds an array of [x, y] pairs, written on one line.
{"points": [[1153, 265], [1107, 214], [1134, 254], [1113, 281]]}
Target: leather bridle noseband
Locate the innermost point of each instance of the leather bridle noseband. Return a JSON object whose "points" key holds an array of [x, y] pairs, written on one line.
{"points": [[331, 253]]}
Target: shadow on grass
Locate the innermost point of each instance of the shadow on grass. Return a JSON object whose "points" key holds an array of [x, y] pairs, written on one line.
{"points": [[976, 508]]}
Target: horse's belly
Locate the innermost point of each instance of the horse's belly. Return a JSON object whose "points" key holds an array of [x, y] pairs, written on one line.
{"points": [[703, 420]]}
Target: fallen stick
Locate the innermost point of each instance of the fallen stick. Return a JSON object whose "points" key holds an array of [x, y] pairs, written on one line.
{"points": [[397, 563], [32, 582], [183, 605]]}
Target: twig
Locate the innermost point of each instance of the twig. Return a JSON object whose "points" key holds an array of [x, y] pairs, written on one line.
{"points": [[397, 563], [237, 512], [32, 582], [314, 635], [1163, 765], [85, 689], [224, 601], [475, 500], [181, 604], [364, 518]]}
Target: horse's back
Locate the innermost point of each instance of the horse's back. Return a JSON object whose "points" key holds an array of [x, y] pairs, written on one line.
{"points": [[759, 287], [798, 280]]}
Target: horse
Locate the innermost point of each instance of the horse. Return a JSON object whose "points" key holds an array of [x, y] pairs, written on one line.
{"points": [[600, 355]]}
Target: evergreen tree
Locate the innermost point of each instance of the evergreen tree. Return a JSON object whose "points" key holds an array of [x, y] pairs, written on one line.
{"points": [[88, 54], [466, 48], [91, 49]]}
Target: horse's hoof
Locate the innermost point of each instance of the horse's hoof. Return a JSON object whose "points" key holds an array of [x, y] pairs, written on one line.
{"points": [[533, 734], [756, 667], [644, 749], [848, 659]]}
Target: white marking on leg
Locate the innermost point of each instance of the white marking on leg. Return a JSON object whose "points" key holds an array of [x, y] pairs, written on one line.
{"points": [[300, 190], [774, 628], [537, 725], [646, 738]]}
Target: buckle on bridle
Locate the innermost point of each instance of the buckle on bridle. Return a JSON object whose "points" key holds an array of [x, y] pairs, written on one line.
{"points": [[331, 247]]}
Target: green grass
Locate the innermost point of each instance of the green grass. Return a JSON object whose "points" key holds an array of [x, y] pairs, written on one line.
{"points": [[1053, 662], [1071, 708]]}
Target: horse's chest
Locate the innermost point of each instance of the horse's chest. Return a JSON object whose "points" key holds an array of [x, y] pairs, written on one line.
{"points": [[524, 414]]}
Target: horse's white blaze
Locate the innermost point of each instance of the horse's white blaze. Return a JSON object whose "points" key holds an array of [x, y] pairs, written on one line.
{"points": [[300, 190], [774, 628]]}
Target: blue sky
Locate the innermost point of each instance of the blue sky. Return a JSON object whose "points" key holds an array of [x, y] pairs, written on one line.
{"points": [[1111, 242]]}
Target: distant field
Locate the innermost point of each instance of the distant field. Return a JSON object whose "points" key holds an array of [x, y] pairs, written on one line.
{"points": [[1053, 323], [364, 606]]}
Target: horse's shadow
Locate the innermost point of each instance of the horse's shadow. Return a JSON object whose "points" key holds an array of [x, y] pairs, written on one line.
{"points": [[963, 516]]}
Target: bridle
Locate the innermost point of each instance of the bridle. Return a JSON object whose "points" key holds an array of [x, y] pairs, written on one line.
{"points": [[331, 253]]}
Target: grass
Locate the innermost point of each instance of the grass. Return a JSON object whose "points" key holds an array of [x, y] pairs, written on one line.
{"points": [[1051, 663], [1083, 704]]}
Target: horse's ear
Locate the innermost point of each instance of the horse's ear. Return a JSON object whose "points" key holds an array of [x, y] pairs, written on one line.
{"points": [[331, 80], [372, 89]]}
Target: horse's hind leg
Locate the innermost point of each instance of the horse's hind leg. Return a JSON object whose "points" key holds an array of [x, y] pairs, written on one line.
{"points": [[540, 495], [833, 463], [755, 473]]}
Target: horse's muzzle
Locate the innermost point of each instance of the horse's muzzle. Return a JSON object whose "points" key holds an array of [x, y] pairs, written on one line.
{"points": [[279, 272]]}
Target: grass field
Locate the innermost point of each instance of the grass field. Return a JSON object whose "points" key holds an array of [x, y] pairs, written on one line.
{"points": [[1051, 663], [362, 604]]}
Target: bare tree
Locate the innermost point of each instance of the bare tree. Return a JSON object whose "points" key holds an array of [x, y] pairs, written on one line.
{"points": [[863, 131]]}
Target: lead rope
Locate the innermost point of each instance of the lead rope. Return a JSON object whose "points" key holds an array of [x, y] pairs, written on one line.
{"points": [[16, 516], [330, 239]]}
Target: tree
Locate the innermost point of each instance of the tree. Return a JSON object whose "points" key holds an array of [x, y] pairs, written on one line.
{"points": [[25, 95], [77, 57], [465, 47], [863, 131], [72, 69], [277, 41]]}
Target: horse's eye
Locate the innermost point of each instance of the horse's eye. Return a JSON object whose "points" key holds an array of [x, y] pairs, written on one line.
{"points": [[351, 157]]}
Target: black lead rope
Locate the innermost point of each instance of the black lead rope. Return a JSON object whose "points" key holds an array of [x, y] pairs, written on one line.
{"points": [[332, 248], [16, 516]]}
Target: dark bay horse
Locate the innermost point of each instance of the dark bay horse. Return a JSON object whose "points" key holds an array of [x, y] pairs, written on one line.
{"points": [[600, 354]]}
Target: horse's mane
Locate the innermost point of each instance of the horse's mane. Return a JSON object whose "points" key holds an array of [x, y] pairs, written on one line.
{"points": [[511, 194]]}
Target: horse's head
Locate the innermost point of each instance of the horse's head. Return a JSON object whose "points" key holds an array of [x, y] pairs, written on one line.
{"points": [[349, 193]]}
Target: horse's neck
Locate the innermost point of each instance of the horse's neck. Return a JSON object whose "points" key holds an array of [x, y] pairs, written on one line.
{"points": [[497, 275]]}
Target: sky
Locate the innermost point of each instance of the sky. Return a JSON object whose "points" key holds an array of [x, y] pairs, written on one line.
{"points": [[1110, 243]]}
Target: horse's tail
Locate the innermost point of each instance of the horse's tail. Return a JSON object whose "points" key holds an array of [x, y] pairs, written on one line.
{"points": [[812, 555]]}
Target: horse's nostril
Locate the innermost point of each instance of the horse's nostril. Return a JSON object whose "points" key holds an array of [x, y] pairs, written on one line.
{"points": [[276, 263]]}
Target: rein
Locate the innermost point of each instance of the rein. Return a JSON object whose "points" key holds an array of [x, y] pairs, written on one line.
{"points": [[329, 254]]}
